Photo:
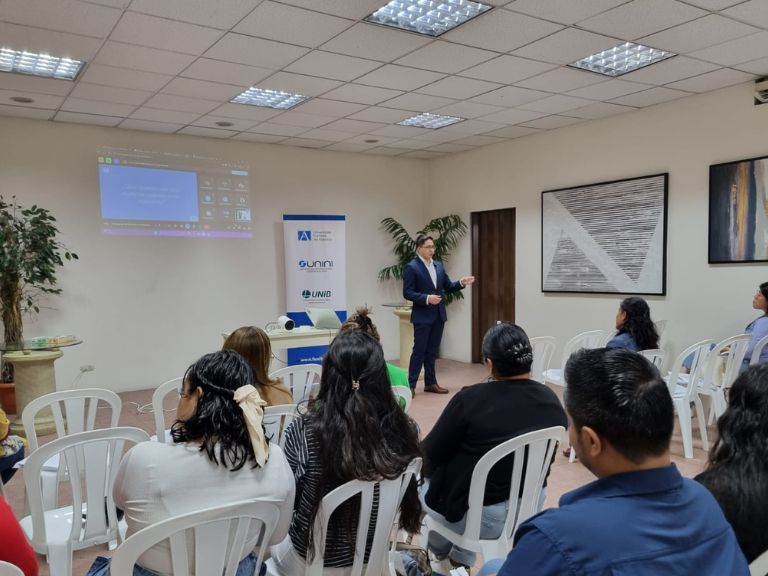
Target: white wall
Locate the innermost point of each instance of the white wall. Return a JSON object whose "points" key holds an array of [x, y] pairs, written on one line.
{"points": [[147, 307], [683, 138]]}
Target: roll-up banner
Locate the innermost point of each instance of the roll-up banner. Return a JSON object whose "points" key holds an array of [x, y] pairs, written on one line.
{"points": [[315, 272]]}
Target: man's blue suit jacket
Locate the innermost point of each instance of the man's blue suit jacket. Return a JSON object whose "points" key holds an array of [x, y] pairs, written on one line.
{"points": [[417, 285]]}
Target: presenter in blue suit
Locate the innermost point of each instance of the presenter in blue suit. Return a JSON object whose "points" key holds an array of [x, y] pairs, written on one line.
{"points": [[425, 283]]}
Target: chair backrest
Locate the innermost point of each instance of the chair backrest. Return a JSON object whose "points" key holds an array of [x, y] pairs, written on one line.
{"points": [[758, 350], [73, 411], [8, 569], [731, 351], [698, 353], [759, 566], [532, 453], [591, 339], [91, 459], [404, 393], [655, 355], [608, 335], [543, 348], [220, 537], [276, 421], [158, 401], [302, 380], [390, 495]]}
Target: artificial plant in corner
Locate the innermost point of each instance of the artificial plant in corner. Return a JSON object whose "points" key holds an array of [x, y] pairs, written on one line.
{"points": [[446, 231], [30, 255]]}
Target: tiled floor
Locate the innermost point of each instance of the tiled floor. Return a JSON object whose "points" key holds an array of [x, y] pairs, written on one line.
{"points": [[426, 408]]}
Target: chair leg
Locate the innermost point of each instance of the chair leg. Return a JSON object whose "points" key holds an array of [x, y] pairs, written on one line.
{"points": [[702, 424], [60, 559], [572, 456], [684, 417]]}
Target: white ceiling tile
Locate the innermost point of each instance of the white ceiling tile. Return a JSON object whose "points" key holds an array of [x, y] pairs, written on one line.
{"points": [[513, 116], [417, 102], [362, 94], [451, 148], [147, 126], [380, 140], [171, 102], [344, 8], [246, 112], [112, 3], [109, 94], [413, 144], [168, 116], [501, 31], [599, 110], [513, 132], [556, 104], [47, 101], [301, 119], [479, 126], [324, 107], [164, 34], [330, 65], [207, 132], [304, 143], [650, 97], [468, 109], [326, 134], [758, 67], [698, 34], [63, 16], [253, 137], [226, 72], [446, 57], [712, 80], [385, 115], [36, 84], [347, 147], [458, 87], [567, 46], [509, 96], [736, 51], [283, 130], [386, 151], [564, 11], [254, 51], [479, 140], [753, 12], [552, 122], [237, 124], [222, 15], [507, 69], [55, 43], [353, 126], [142, 58], [374, 42], [23, 112], [299, 84], [202, 89], [290, 24], [95, 107], [713, 4], [670, 70], [607, 90], [562, 80], [423, 154], [641, 17], [79, 118], [399, 77], [125, 78]]}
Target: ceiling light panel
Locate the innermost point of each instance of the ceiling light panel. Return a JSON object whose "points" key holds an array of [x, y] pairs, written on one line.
{"points": [[432, 121], [428, 17], [34, 64], [622, 59], [269, 98]]}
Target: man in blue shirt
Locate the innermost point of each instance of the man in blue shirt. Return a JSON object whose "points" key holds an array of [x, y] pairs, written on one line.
{"points": [[640, 516]]}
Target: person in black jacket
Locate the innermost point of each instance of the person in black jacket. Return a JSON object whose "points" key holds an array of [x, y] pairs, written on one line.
{"points": [[477, 419]]}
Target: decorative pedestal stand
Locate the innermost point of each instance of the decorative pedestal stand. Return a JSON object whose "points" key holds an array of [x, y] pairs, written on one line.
{"points": [[406, 336], [34, 376]]}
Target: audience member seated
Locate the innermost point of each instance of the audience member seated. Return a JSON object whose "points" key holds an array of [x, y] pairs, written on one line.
{"points": [[355, 430], [641, 516], [11, 449], [636, 330], [477, 419], [14, 547], [361, 320], [759, 326], [253, 344], [737, 472], [218, 455]]}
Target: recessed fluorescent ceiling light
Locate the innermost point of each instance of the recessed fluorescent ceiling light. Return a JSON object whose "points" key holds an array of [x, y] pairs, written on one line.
{"points": [[427, 120], [269, 98], [621, 59], [39, 64], [430, 17]]}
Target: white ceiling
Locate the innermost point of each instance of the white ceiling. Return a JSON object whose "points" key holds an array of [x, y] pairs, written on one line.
{"points": [[173, 65]]}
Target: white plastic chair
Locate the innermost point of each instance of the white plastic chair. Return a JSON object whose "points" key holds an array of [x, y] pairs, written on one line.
{"points": [[73, 411], [683, 389], [655, 355], [591, 339], [534, 452], [395, 560], [221, 537], [158, 401], [543, 348], [91, 460], [759, 566], [608, 335], [758, 349], [302, 380], [728, 355], [405, 394], [276, 421], [8, 569]]}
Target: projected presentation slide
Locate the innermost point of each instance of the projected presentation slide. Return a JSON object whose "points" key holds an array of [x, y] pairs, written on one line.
{"points": [[154, 193]]}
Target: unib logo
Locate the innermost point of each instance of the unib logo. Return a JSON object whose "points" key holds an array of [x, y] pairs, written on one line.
{"points": [[304, 235], [307, 294], [315, 264]]}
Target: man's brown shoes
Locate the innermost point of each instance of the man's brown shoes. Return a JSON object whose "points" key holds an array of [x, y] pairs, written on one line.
{"points": [[435, 389]]}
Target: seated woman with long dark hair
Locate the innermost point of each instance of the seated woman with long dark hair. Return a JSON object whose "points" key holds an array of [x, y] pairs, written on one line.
{"points": [[636, 330], [355, 430], [737, 471]]}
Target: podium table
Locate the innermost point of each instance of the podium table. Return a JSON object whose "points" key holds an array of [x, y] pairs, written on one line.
{"points": [[297, 338]]}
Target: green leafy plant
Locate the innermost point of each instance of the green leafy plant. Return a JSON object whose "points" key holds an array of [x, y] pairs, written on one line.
{"points": [[30, 255], [447, 232]]}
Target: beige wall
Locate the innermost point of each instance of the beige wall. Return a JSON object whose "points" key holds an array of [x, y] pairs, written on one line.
{"points": [[146, 307], [683, 138]]}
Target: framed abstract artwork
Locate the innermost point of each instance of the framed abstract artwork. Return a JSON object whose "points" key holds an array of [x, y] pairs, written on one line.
{"points": [[738, 211], [606, 238]]}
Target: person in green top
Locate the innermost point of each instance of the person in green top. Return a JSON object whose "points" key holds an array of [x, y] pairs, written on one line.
{"points": [[398, 377]]}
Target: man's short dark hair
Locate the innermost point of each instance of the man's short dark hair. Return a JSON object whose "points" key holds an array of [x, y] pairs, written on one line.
{"points": [[421, 239], [621, 396]]}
